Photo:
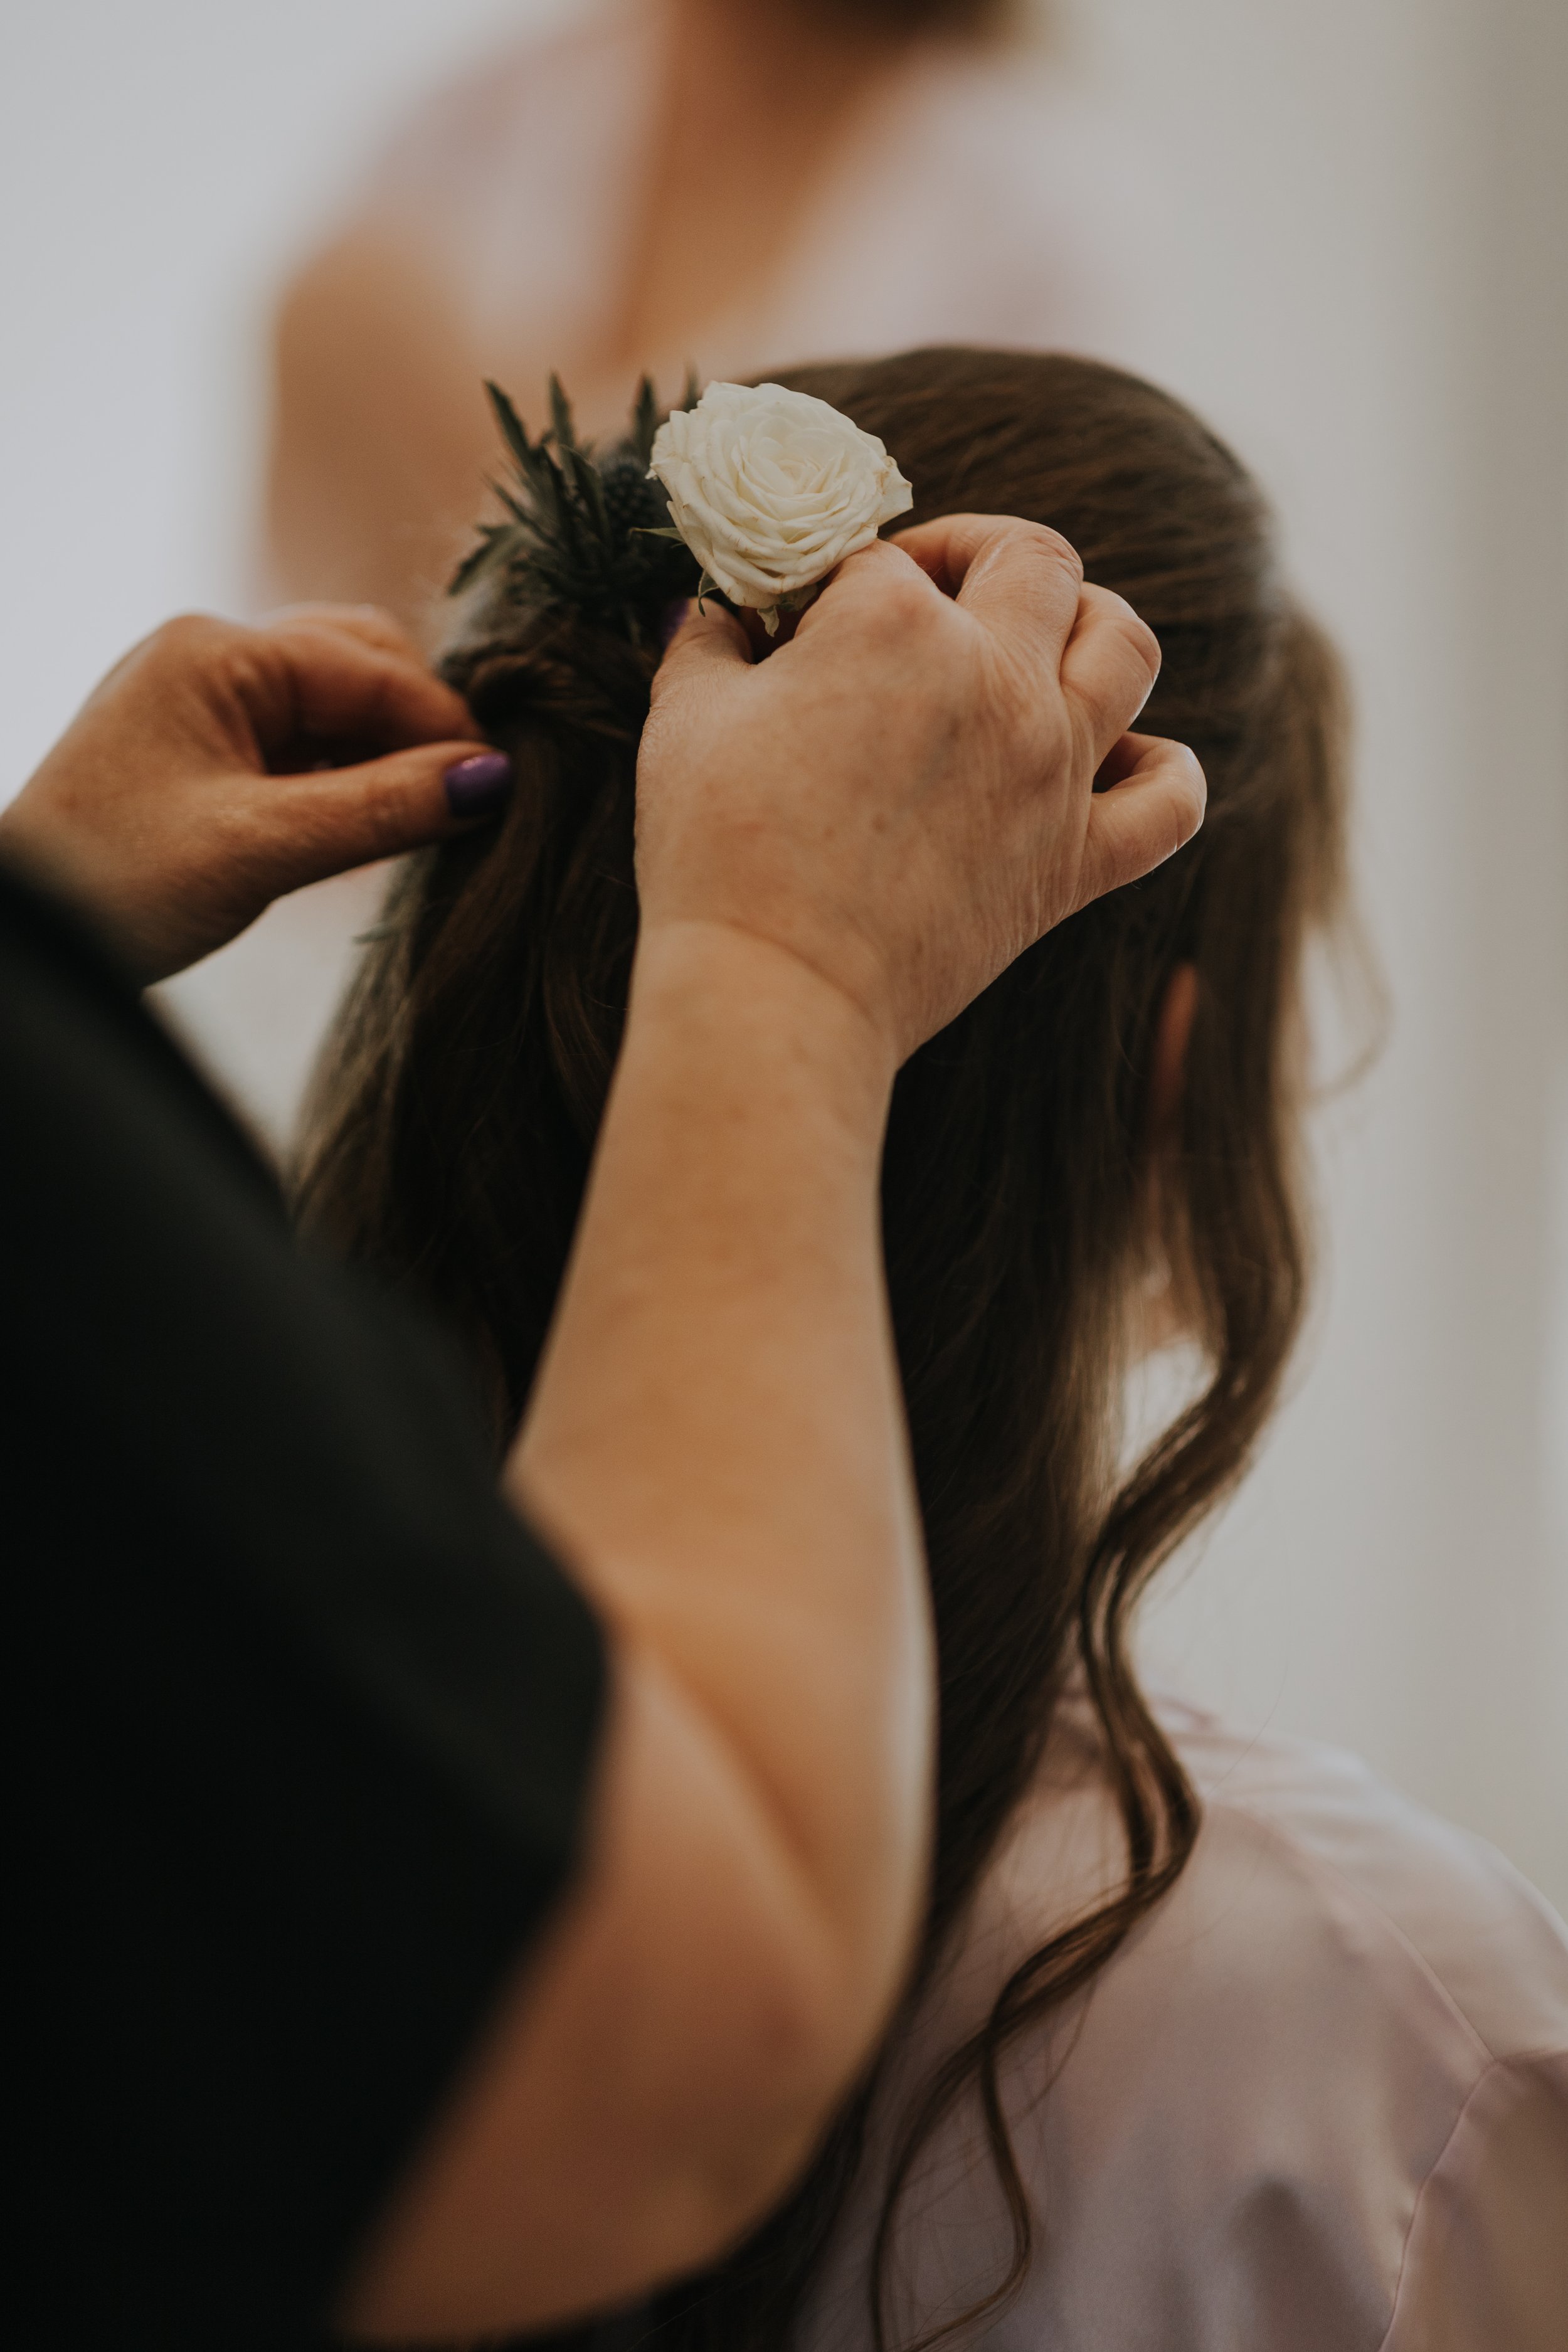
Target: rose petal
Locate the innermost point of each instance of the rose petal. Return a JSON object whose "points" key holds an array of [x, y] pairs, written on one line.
{"points": [[772, 488]]}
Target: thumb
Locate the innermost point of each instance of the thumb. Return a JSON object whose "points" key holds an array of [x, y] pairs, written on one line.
{"points": [[708, 642], [336, 818]]}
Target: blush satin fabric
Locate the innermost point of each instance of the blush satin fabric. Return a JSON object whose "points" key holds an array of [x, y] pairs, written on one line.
{"points": [[1319, 2103], [523, 184]]}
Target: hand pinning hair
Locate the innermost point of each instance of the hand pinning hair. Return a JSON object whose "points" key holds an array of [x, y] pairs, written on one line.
{"points": [[904, 794], [218, 767]]}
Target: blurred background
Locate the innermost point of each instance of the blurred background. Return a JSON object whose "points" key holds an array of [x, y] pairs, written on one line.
{"points": [[1338, 230]]}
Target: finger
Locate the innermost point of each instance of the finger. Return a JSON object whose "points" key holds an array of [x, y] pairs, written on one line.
{"points": [[709, 643], [342, 817], [317, 684], [879, 572], [1143, 819], [1120, 761], [1109, 665], [1019, 579], [372, 625]]}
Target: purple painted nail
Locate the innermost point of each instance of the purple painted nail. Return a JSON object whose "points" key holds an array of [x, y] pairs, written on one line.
{"points": [[675, 619], [477, 787]]}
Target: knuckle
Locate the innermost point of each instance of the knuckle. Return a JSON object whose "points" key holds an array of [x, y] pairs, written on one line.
{"points": [[885, 622], [1060, 550], [1013, 539], [373, 616], [1130, 626], [290, 616], [904, 600], [369, 625], [192, 637], [1142, 641]]}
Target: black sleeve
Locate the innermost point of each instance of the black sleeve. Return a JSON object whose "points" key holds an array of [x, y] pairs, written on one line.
{"points": [[302, 1719]]}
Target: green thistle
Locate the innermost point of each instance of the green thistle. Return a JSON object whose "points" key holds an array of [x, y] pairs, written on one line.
{"points": [[584, 535]]}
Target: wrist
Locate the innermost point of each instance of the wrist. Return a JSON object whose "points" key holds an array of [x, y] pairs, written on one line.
{"points": [[731, 990]]}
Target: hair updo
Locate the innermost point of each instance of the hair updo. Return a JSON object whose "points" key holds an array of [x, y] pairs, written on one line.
{"points": [[457, 1107]]}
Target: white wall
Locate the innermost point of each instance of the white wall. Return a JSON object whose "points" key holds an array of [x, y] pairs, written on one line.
{"points": [[159, 166], [1375, 195], [1370, 197]]}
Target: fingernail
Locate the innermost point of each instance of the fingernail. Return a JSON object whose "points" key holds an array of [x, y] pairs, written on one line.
{"points": [[475, 786], [675, 619]]}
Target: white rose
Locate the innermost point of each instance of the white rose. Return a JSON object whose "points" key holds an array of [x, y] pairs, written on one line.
{"points": [[770, 488]]}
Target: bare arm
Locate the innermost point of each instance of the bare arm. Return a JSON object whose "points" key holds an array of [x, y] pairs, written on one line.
{"points": [[718, 1444], [837, 848], [380, 435]]}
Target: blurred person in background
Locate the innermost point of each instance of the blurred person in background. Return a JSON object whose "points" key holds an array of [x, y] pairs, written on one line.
{"points": [[659, 185], [666, 184]]}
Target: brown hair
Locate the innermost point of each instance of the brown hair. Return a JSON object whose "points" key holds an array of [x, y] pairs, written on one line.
{"points": [[456, 1111]]}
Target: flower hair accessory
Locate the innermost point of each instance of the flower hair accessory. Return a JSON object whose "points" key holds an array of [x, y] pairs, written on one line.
{"points": [[585, 534], [752, 491], [771, 489]]}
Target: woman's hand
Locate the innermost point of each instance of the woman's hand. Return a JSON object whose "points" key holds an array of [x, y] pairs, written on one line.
{"points": [[904, 796], [218, 767]]}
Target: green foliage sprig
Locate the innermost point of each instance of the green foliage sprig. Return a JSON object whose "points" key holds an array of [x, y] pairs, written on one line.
{"points": [[583, 534]]}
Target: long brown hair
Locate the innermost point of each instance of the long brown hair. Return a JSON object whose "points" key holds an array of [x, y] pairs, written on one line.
{"points": [[456, 1110]]}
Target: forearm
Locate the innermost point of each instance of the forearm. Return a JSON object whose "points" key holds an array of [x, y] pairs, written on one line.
{"points": [[717, 1433], [716, 1441]]}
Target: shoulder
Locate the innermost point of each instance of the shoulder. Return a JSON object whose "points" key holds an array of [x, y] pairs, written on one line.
{"points": [[517, 112], [508, 186], [1314, 2085], [1401, 1904], [1040, 228]]}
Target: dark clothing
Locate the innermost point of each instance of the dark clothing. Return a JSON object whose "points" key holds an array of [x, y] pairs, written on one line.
{"points": [[302, 1719]]}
